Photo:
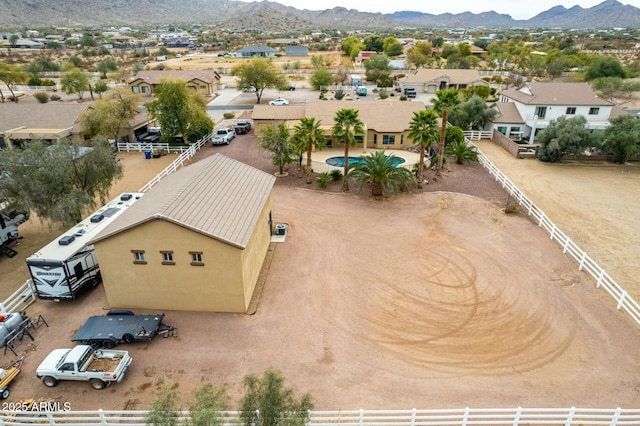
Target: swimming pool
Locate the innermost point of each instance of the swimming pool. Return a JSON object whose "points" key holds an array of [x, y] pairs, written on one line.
{"points": [[339, 161]]}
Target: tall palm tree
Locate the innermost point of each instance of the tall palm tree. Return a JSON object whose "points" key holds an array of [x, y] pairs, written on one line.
{"points": [[423, 129], [446, 100], [307, 136], [346, 126], [379, 169]]}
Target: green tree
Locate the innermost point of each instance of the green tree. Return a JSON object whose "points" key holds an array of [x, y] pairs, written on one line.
{"points": [[374, 43], [608, 86], [41, 64], [10, 75], [163, 51], [107, 65], [445, 101], [58, 182], [420, 55], [180, 111], [276, 404], [205, 409], [630, 87], [392, 47], [379, 170], [565, 136], [259, 73], [75, 61], [378, 69], [423, 130], [462, 152], [100, 87], [317, 61], [108, 116], [621, 138], [13, 39], [308, 136], [320, 77], [75, 81], [346, 126], [472, 114], [164, 409], [276, 140], [351, 46], [88, 40], [604, 66]]}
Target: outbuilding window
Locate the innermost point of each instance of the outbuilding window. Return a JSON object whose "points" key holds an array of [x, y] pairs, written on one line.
{"points": [[167, 258], [196, 258], [138, 257]]}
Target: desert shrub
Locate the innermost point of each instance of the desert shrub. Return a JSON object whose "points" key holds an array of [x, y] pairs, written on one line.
{"points": [[336, 174], [54, 97], [339, 94], [228, 115], [324, 179], [41, 97], [403, 98]]}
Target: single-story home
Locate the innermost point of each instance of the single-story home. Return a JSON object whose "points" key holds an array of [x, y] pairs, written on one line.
{"points": [[22, 122], [386, 122], [196, 241], [205, 82], [431, 80], [255, 52]]}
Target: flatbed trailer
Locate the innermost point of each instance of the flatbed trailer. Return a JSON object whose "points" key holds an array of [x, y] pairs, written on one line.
{"points": [[121, 327], [8, 375]]}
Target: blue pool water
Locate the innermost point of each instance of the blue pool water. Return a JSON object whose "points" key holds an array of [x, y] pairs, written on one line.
{"points": [[339, 161]]}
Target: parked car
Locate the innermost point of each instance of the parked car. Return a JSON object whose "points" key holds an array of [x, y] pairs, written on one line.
{"points": [[291, 87], [242, 127], [223, 137], [250, 89], [279, 101]]}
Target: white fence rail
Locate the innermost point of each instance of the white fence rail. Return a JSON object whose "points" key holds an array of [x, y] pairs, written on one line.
{"points": [[586, 263], [20, 299], [185, 155], [463, 417], [141, 147]]}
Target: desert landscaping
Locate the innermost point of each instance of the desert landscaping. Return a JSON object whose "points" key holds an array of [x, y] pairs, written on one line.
{"points": [[428, 299]]}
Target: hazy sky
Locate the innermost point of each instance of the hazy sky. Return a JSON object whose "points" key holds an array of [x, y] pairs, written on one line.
{"points": [[518, 9]]}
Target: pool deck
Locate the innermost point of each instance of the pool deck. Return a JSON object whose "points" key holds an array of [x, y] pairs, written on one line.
{"points": [[319, 158]]}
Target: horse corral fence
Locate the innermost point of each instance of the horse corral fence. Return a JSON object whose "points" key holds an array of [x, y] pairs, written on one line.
{"points": [[585, 263], [463, 417]]}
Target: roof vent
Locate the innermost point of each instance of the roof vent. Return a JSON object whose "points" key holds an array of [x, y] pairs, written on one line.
{"points": [[66, 240], [126, 197], [96, 218]]}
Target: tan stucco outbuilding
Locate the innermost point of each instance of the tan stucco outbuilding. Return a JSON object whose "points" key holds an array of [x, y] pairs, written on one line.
{"points": [[196, 241]]}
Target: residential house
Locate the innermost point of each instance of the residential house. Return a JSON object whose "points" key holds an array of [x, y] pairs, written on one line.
{"points": [[196, 241], [256, 52], [431, 80], [296, 50], [205, 82], [180, 42], [540, 103], [386, 122]]}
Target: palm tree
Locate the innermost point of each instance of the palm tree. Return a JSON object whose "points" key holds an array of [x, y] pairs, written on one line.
{"points": [[307, 136], [446, 100], [345, 128], [463, 152], [423, 129], [379, 170]]}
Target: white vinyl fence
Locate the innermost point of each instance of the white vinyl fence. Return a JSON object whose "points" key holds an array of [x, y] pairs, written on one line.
{"points": [[585, 263], [463, 417], [20, 299]]}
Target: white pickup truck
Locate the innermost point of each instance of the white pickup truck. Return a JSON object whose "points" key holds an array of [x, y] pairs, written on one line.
{"points": [[99, 367]]}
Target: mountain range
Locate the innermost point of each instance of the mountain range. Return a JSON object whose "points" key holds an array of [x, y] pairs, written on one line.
{"points": [[268, 16]]}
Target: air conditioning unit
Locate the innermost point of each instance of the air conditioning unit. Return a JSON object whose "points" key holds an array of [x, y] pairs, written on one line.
{"points": [[66, 240]]}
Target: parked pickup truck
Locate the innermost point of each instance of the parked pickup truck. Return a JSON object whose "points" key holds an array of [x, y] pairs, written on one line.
{"points": [[223, 137], [99, 367]]}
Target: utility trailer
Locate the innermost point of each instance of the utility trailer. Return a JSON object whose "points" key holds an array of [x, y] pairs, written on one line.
{"points": [[121, 327], [67, 265]]}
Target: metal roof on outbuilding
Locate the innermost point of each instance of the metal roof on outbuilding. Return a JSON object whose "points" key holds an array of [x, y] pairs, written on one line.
{"points": [[219, 197]]}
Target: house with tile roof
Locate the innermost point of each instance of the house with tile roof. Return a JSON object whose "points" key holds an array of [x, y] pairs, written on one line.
{"points": [[428, 80], [205, 82], [540, 103], [22, 122], [386, 122], [196, 241]]}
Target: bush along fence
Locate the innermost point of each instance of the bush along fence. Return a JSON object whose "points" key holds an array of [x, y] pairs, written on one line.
{"points": [[585, 263], [463, 417]]}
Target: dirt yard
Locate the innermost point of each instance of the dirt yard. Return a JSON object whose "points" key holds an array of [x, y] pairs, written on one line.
{"points": [[431, 299]]}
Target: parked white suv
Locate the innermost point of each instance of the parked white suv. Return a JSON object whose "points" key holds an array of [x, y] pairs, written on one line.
{"points": [[223, 137]]}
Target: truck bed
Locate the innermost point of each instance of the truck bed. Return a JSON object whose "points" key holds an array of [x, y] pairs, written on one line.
{"points": [[141, 327], [99, 364]]}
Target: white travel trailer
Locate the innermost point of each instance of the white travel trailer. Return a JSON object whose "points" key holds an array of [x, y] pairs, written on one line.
{"points": [[67, 265]]}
